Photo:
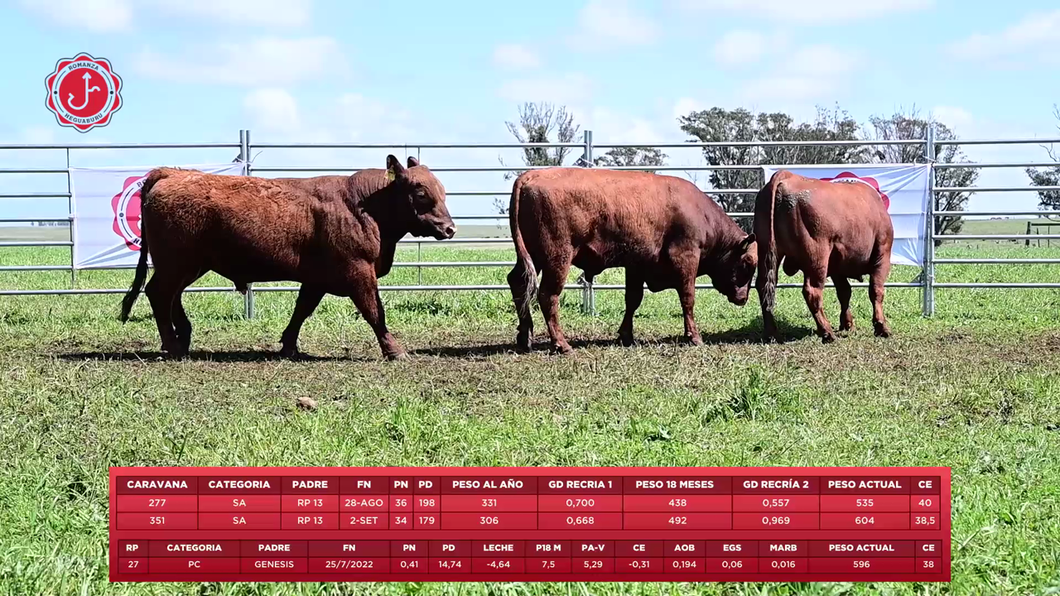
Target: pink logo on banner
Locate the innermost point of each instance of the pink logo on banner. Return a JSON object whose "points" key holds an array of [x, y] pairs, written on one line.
{"points": [[848, 177], [126, 206]]}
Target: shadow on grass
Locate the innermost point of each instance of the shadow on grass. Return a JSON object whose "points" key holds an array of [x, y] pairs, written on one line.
{"points": [[748, 334], [205, 356]]}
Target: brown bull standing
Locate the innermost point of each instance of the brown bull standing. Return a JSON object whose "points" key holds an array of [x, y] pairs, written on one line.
{"points": [[662, 229], [334, 234], [839, 230]]}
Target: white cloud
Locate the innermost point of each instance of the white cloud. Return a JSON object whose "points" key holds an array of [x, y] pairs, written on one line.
{"points": [[106, 16], [515, 56], [619, 127], [285, 13], [739, 48], [811, 72], [685, 106], [368, 119], [272, 110], [571, 88], [262, 62], [809, 12], [955, 118], [608, 23], [821, 60], [97, 16], [1035, 36]]}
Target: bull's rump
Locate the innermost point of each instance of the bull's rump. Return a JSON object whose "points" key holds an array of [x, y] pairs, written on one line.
{"points": [[247, 229], [850, 216], [618, 215]]}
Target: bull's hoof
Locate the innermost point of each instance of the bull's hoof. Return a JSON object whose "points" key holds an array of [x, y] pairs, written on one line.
{"points": [[771, 338], [828, 338], [289, 353], [846, 326], [522, 344], [695, 340], [882, 330], [563, 349], [626, 340], [396, 356]]}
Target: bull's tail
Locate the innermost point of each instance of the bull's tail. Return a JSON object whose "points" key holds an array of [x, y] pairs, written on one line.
{"points": [[765, 205], [522, 256], [141, 266]]}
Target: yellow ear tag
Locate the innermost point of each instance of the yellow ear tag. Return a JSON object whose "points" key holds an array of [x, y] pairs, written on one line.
{"points": [[389, 175]]}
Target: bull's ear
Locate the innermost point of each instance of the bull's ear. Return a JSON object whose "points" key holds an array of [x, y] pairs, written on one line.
{"points": [[413, 162], [393, 168], [747, 241]]}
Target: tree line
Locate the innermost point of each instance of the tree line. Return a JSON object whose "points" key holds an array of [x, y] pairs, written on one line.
{"points": [[544, 122]]}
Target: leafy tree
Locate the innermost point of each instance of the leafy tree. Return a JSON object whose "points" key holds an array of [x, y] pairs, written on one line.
{"points": [[537, 123], [911, 126], [718, 125], [631, 157], [1048, 199]]}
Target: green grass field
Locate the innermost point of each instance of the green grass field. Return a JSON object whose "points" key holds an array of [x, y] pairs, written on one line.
{"points": [[976, 388]]}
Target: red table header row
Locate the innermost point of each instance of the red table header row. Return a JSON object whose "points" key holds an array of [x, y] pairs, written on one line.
{"points": [[499, 485], [528, 548]]}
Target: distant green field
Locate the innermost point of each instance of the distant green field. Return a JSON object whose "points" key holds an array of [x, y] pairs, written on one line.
{"points": [[976, 388]]}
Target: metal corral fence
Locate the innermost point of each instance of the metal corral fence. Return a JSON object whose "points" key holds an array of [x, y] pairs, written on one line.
{"points": [[246, 148]]}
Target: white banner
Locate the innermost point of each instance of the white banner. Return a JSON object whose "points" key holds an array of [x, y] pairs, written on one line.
{"points": [[906, 191], [106, 218]]}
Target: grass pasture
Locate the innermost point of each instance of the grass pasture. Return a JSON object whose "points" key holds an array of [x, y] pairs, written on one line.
{"points": [[976, 388]]}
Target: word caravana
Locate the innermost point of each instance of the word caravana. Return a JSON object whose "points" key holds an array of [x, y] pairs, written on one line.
{"points": [[157, 484]]}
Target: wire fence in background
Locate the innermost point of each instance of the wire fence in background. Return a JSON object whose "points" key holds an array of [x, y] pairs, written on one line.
{"points": [[926, 280]]}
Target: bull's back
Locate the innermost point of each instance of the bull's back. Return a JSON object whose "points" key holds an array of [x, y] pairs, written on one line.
{"points": [[587, 205], [198, 203], [243, 227]]}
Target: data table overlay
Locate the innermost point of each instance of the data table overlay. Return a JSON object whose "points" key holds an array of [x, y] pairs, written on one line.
{"points": [[530, 524]]}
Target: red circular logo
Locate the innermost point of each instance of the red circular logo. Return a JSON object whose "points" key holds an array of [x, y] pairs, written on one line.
{"points": [[83, 92], [852, 177], [126, 206]]}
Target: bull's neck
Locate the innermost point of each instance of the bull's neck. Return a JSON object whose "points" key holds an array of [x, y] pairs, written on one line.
{"points": [[728, 237], [381, 204]]}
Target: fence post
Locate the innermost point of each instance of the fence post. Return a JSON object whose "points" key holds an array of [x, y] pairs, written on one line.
{"points": [[588, 295], [244, 154], [929, 240], [70, 212]]}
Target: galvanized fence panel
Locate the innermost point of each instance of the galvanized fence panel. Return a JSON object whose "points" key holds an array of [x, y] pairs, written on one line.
{"points": [[246, 147]]}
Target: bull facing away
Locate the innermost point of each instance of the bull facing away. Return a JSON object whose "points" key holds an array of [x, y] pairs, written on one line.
{"points": [[334, 234], [839, 230], [663, 230]]}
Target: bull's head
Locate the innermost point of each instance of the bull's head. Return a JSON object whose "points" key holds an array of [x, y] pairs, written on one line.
{"points": [[734, 273], [424, 196]]}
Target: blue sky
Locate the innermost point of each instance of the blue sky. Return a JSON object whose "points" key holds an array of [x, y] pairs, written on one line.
{"points": [[349, 71]]}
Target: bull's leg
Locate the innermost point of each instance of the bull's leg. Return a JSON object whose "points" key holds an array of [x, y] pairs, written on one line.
{"points": [[520, 282], [553, 278], [366, 296], [309, 297], [161, 291], [813, 292], [181, 323], [634, 296], [686, 291], [842, 290], [876, 291]]}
